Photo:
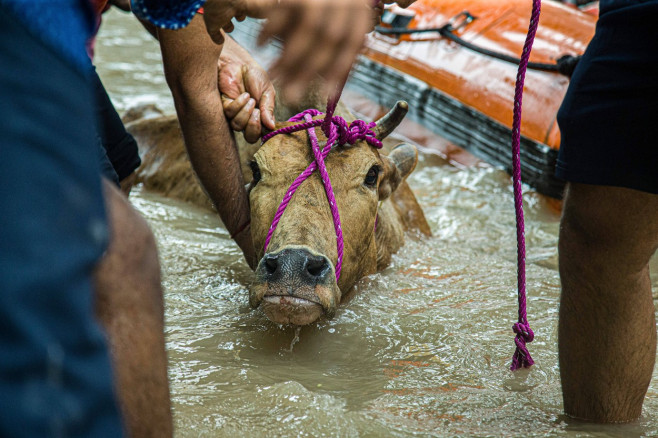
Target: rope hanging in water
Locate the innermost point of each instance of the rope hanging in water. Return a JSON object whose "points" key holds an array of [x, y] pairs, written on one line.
{"points": [[338, 132], [524, 334]]}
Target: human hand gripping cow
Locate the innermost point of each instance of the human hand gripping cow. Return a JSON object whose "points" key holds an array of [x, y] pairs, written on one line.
{"points": [[246, 91], [190, 58]]}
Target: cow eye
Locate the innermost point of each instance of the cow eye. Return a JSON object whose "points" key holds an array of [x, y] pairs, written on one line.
{"points": [[255, 171], [372, 176]]}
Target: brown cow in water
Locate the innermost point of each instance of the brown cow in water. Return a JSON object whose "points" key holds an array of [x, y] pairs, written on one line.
{"points": [[295, 279]]}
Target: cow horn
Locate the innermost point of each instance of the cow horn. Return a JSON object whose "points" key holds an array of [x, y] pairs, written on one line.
{"points": [[390, 121]]}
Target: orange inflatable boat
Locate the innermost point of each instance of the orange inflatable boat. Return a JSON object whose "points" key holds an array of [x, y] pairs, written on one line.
{"points": [[455, 62], [459, 78]]}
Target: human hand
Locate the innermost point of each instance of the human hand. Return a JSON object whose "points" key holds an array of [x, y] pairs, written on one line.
{"points": [[247, 93], [320, 37], [217, 14]]}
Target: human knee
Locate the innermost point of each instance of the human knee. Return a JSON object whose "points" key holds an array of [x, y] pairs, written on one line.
{"points": [[601, 225]]}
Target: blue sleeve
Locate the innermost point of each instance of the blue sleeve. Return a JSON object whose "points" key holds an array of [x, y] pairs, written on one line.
{"points": [[170, 14]]}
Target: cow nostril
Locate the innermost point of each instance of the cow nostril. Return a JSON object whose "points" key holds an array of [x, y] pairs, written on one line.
{"points": [[317, 267], [271, 264]]}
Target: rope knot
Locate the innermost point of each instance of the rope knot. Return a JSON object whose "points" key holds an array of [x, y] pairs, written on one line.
{"points": [[521, 358], [355, 131], [524, 331], [361, 130]]}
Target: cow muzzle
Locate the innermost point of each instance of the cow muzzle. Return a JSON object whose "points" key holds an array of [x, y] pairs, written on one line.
{"points": [[294, 286]]}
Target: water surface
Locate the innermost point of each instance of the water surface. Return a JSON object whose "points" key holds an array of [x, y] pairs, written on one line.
{"points": [[422, 350]]}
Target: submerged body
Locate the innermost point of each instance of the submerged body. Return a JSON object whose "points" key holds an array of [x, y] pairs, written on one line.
{"points": [[296, 277]]}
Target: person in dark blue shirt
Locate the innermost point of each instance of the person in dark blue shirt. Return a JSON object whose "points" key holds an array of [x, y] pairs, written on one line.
{"points": [[609, 226]]}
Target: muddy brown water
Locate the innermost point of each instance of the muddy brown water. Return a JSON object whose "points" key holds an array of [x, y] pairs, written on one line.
{"points": [[422, 350]]}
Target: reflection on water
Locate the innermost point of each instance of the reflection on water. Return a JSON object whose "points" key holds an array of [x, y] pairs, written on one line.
{"points": [[422, 350]]}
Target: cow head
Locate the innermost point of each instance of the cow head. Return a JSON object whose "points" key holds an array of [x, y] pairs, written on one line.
{"points": [[296, 277]]}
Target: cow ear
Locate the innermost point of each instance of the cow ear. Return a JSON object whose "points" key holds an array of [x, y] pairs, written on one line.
{"points": [[398, 165]]}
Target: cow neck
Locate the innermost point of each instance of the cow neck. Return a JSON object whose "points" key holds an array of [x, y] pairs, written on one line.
{"points": [[338, 133]]}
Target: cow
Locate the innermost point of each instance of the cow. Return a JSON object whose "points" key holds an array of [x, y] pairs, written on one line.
{"points": [[295, 280]]}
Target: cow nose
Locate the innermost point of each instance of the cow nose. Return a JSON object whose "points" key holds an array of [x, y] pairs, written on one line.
{"points": [[296, 262]]}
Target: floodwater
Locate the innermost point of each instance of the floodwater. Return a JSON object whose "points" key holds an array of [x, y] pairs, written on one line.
{"points": [[422, 350]]}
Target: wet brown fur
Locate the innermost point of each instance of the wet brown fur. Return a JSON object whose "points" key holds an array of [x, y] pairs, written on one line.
{"points": [[307, 221]]}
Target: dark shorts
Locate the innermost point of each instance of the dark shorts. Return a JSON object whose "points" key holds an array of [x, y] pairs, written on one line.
{"points": [[118, 153], [609, 115], [55, 375]]}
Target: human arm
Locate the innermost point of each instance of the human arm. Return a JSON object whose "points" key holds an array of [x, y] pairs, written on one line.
{"points": [[190, 62]]}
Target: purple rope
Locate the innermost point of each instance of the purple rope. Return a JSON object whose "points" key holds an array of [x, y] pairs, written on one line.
{"points": [[524, 333], [338, 132]]}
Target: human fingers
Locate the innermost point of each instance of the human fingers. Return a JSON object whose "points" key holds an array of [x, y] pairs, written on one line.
{"points": [[301, 35], [329, 50], [233, 106], [216, 15], [228, 28], [308, 47], [239, 122], [253, 129], [359, 21], [219, 13], [266, 107], [294, 83], [259, 86], [276, 23], [254, 8]]}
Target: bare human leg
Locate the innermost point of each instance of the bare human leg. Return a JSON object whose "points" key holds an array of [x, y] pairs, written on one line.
{"points": [[607, 328], [129, 306]]}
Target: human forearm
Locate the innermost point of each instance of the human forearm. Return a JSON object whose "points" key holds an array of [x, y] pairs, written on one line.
{"points": [[216, 161], [190, 61], [215, 158]]}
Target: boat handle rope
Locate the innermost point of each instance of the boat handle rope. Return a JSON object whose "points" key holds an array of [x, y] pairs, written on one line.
{"points": [[564, 65]]}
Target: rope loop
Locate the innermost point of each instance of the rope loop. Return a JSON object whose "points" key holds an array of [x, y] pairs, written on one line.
{"points": [[522, 358]]}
